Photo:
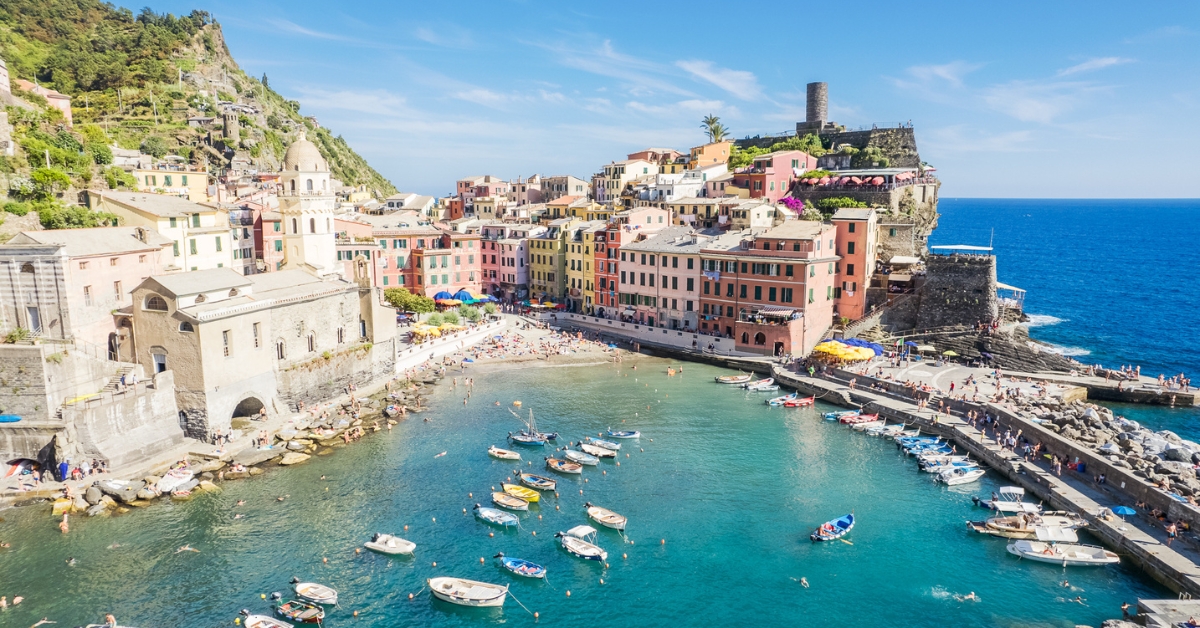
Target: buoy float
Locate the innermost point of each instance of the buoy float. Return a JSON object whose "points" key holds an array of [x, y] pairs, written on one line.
{"points": [[357, 551], [618, 464], [435, 519], [604, 472], [555, 494], [435, 564], [491, 534], [631, 541], [410, 596], [626, 455], [606, 565], [556, 507], [325, 560], [535, 532], [602, 581], [405, 527], [581, 491], [539, 517], [464, 511], [585, 480], [642, 449], [262, 595], [664, 542], [625, 556], [480, 560], [470, 494], [535, 615], [237, 621], [568, 593], [356, 613]]}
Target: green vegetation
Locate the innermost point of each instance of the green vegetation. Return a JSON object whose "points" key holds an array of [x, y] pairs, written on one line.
{"points": [[405, 301], [16, 335], [811, 144], [816, 174], [870, 157], [451, 317], [838, 202], [58, 216], [713, 128], [470, 313], [435, 319], [489, 309]]}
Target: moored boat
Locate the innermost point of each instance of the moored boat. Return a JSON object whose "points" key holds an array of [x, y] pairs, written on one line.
{"points": [[609, 445], [296, 610], [314, 592], [1008, 499], [538, 482], [524, 493], [1065, 554], [580, 541], [779, 401], [503, 454], [496, 517], [862, 427], [833, 416], [623, 433], [511, 502], [734, 379], [581, 457], [800, 402], [759, 382], [522, 567], [834, 529], [259, 621], [959, 475], [859, 418], [389, 544], [564, 466], [465, 592], [529, 440], [1025, 525], [606, 517]]}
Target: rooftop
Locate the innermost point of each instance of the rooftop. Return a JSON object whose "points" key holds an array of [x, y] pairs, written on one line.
{"points": [[671, 240], [155, 204], [97, 241], [850, 213], [796, 230], [197, 281]]}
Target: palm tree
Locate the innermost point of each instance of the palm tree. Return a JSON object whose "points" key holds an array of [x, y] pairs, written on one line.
{"points": [[713, 127]]}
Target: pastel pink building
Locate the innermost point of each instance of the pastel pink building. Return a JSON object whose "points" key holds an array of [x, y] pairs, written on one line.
{"points": [[771, 175], [660, 275], [856, 243]]}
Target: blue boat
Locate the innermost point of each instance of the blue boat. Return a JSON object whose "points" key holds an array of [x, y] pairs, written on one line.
{"points": [[529, 440], [539, 482], [832, 530], [522, 567], [496, 517], [9, 418], [624, 434], [833, 416]]}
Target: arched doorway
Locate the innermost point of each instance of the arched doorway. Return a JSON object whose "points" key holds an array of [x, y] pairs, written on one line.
{"points": [[248, 407]]}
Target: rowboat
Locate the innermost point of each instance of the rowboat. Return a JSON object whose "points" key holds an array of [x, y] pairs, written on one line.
{"points": [[522, 567], [779, 401], [833, 416], [1065, 554], [580, 541], [467, 592], [862, 427], [503, 454], [623, 434], [496, 517], [800, 402], [534, 440], [885, 430], [563, 466], [771, 388], [606, 517], [834, 529], [923, 449], [581, 457], [538, 482], [1025, 525], [526, 494], [906, 434], [173, 479], [741, 378], [304, 612], [859, 418], [759, 382], [1008, 499], [958, 475], [504, 500], [388, 544], [603, 443], [598, 452], [260, 621], [314, 592]]}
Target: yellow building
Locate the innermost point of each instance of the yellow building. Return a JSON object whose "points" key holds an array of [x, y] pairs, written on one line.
{"points": [[184, 183], [581, 278], [589, 256], [710, 155], [547, 260], [201, 234]]}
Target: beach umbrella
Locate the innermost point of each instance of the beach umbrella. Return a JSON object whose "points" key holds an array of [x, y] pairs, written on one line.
{"points": [[950, 354], [910, 343], [1124, 511], [442, 295]]}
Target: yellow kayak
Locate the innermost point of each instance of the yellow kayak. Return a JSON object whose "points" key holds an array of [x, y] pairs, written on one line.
{"points": [[526, 494]]}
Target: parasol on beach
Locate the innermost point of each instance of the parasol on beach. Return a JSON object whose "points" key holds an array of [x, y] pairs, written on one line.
{"points": [[950, 354]]}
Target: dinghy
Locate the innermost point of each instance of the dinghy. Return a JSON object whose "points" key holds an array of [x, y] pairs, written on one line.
{"points": [[1065, 554], [580, 541], [835, 529], [1008, 499], [779, 401], [295, 610], [503, 454], [623, 434], [467, 592], [759, 382], [259, 621], [598, 452], [504, 500], [522, 567], [605, 517], [938, 465], [538, 482], [862, 427], [800, 402], [734, 379], [564, 466], [833, 416], [496, 517], [581, 457], [958, 475], [389, 544], [611, 446], [771, 388], [526, 494], [314, 592]]}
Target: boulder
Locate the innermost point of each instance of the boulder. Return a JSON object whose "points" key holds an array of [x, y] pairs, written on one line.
{"points": [[151, 480], [61, 507], [93, 495], [296, 445], [1178, 454], [108, 502], [293, 458], [1170, 437], [1118, 623], [237, 475], [123, 492], [187, 486], [1167, 467], [252, 456], [147, 493], [255, 471], [97, 510], [137, 503], [79, 504], [324, 452], [209, 466], [207, 475], [207, 487]]}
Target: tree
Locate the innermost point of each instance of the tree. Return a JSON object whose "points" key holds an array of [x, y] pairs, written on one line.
{"points": [[490, 309], [406, 301], [101, 154], [714, 129], [435, 319], [55, 216], [451, 317], [48, 182], [470, 313], [155, 146]]}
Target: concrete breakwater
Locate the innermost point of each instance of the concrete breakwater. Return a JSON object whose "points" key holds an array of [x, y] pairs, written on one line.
{"points": [[1138, 541]]}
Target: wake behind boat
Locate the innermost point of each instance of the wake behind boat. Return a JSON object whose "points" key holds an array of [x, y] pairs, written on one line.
{"points": [[465, 592], [835, 529]]}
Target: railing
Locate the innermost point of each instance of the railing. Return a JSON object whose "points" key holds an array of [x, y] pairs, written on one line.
{"points": [[883, 187], [107, 397]]}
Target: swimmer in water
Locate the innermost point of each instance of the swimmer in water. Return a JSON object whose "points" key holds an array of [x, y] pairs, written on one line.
{"points": [[71, 562], [238, 516], [114, 546], [187, 548], [240, 502], [970, 597], [804, 582]]}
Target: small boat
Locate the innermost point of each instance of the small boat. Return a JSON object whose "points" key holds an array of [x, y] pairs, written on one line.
{"points": [[835, 529], [467, 592], [800, 402], [295, 610], [581, 457], [529, 440], [906, 434], [779, 401], [771, 388], [862, 427], [503, 454], [259, 621], [496, 517], [522, 567], [538, 482], [1008, 499], [174, 479], [606, 517], [734, 379], [623, 434], [389, 544], [1025, 525], [885, 430], [759, 382], [958, 475], [314, 592], [526, 494], [833, 416], [603, 443], [859, 418], [938, 467], [511, 502], [598, 452], [564, 466], [1065, 554], [580, 541]]}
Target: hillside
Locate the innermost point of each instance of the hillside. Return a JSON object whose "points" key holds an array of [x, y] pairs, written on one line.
{"points": [[135, 80]]}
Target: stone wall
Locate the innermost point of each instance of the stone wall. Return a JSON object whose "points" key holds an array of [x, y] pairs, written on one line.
{"points": [[321, 378], [958, 290], [899, 144], [128, 429], [36, 379]]}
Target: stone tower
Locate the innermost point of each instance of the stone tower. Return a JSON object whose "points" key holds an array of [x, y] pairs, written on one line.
{"points": [[306, 204], [230, 122], [817, 110]]}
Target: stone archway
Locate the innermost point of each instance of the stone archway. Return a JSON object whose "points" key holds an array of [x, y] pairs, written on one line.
{"points": [[248, 407]]}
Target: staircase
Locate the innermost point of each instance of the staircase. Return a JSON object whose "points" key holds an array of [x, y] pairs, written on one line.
{"points": [[114, 384]]}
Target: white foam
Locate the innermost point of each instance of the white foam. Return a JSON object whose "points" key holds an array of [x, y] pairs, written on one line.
{"points": [[1067, 351], [1041, 320], [940, 593]]}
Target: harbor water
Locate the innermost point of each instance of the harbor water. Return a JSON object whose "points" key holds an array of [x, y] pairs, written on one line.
{"points": [[1108, 281], [721, 493]]}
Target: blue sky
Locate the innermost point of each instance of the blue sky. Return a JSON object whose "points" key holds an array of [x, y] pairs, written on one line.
{"points": [[1015, 99]]}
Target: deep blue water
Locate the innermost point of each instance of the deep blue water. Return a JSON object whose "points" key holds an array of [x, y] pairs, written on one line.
{"points": [[1110, 281]]}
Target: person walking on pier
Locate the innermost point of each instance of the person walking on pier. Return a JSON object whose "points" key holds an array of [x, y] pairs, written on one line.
{"points": [[1172, 531]]}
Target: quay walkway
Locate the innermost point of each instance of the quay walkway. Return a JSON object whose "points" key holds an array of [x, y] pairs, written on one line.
{"points": [[1177, 567]]}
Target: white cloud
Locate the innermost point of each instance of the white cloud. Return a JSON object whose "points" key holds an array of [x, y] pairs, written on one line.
{"points": [[740, 83], [640, 77], [951, 73], [1038, 101], [686, 107], [1097, 63], [447, 36], [292, 27]]}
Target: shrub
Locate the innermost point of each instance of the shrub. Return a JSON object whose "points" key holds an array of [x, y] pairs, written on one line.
{"points": [[451, 317], [435, 319], [101, 154], [155, 146], [470, 313], [838, 202], [490, 309], [16, 335], [17, 209]]}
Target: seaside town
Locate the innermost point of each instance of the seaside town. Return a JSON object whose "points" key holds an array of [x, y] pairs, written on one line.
{"points": [[196, 317]]}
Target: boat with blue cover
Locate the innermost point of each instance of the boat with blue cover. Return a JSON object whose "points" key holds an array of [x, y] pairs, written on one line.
{"points": [[623, 433], [496, 517], [833, 416], [522, 567], [521, 438], [779, 401], [835, 529], [539, 482]]}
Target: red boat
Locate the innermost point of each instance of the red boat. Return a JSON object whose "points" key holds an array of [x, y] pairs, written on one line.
{"points": [[859, 418], [799, 403]]}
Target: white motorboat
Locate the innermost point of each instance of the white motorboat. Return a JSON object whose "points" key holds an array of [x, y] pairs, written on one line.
{"points": [[906, 434], [262, 621], [1065, 554], [465, 592], [580, 541], [885, 430], [1008, 499], [609, 445], [314, 592], [598, 452], [173, 480], [503, 454], [606, 517], [388, 544], [959, 475], [1025, 525], [581, 457], [761, 383]]}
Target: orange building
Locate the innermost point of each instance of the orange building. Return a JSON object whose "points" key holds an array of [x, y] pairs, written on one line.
{"points": [[710, 155], [857, 231]]}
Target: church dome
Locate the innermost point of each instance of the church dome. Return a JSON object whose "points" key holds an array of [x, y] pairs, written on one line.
{"points": [[303, 156]]}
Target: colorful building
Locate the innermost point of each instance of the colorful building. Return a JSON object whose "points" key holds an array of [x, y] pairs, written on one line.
{"points": [[660, 278], [175, 181], [857, 235], [200, 234], [710, 155], [547, 260]]}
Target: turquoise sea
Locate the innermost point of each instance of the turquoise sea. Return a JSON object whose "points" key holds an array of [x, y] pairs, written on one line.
{"points": [[1109, 281], [732, 486]]}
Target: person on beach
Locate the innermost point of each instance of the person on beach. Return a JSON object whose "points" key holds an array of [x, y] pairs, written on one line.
{"points": [[1172, 531]]}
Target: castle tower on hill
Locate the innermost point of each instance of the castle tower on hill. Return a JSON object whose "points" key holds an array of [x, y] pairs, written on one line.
{"points": [[307, 204]]}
